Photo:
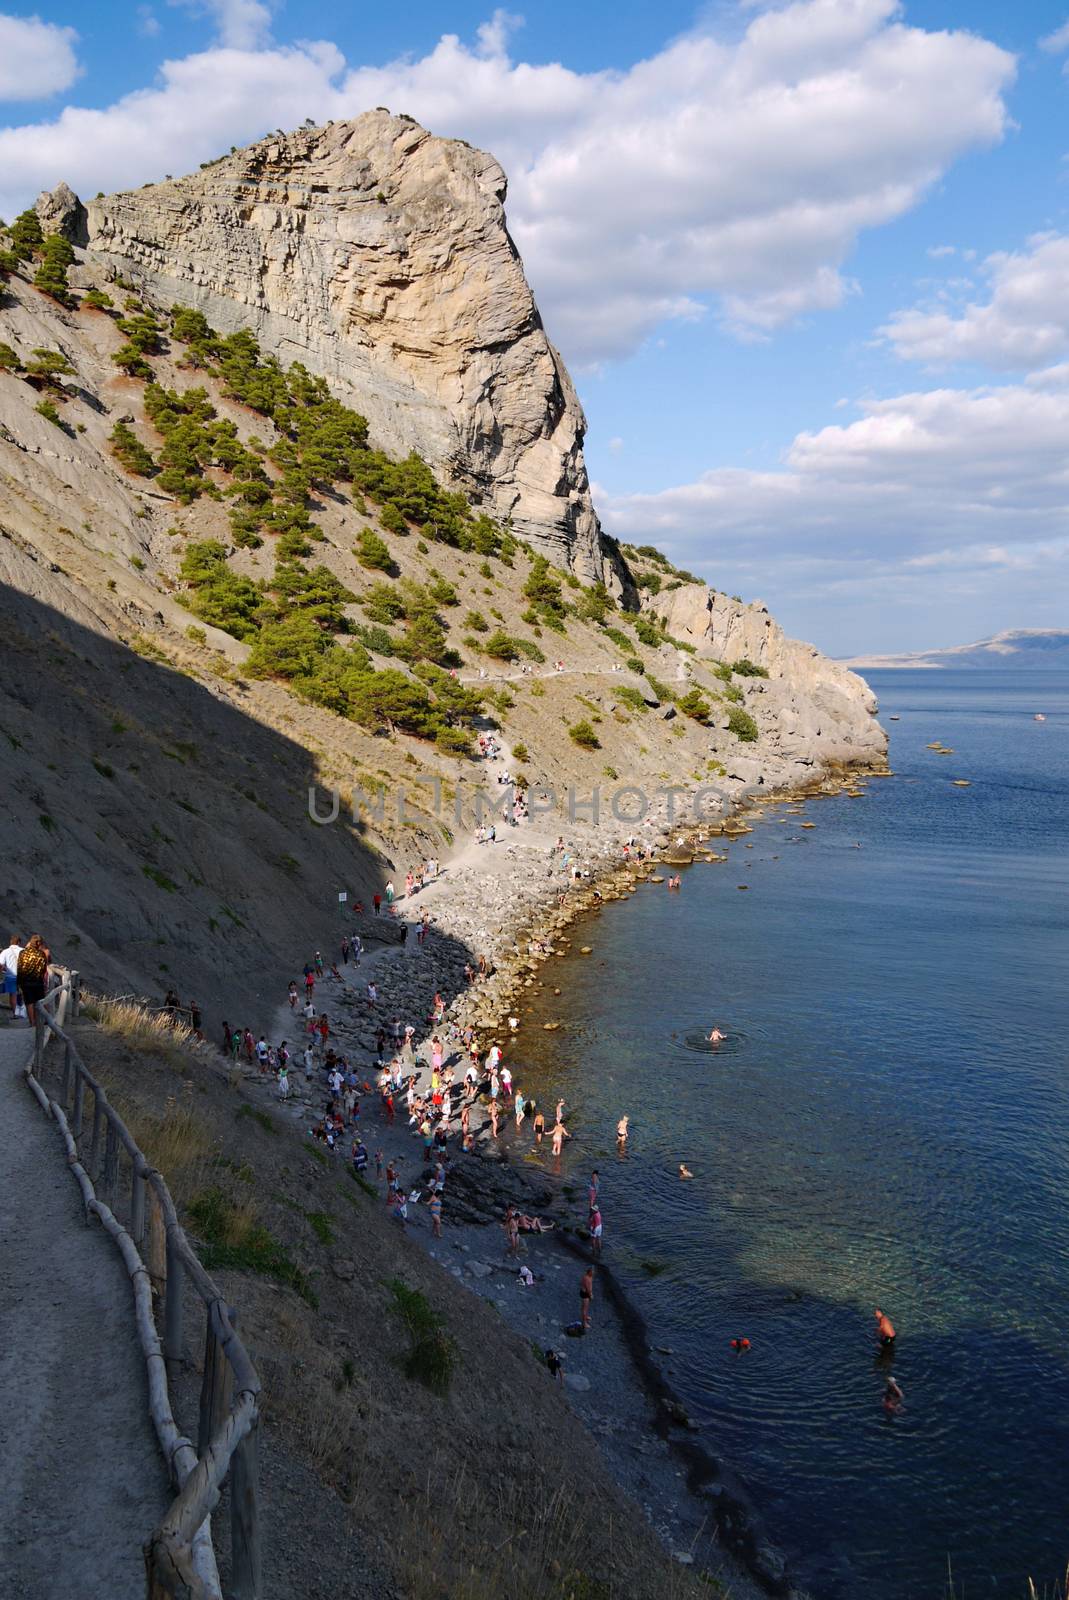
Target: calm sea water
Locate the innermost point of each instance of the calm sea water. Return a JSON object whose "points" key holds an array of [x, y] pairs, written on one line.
{"points": [[888, 1125]]}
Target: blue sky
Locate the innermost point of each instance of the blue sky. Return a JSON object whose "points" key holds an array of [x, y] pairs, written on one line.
{"points": [[808, 263]]}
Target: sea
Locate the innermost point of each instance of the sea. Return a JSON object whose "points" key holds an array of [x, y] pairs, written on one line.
{"points": [[886, 1124]]}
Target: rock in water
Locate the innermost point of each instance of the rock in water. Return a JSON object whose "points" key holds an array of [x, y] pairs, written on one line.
{"points": [[377, 255]]}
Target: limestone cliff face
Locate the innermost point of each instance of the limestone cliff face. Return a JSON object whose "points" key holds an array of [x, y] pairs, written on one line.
{"points": [[813, 709], [378, 256]]}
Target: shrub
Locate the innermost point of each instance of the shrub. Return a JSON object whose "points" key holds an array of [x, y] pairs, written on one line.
{"points": [[647, 632], [373, 552], [96, 300], [528, 648], [519, 750], [742, 725], [745, 668], [650, 581], [46, 369], [733, 693], [442, 592], [46, 409], [596, 603], [721, 670], [501, 647], [392, 518], [383, 603], [9, 361], [128, 450], [230, 1237], [634, 665], [132, 362], [582, 734], [432, 1354], [630, 696], [375, 638], [51, 276], [26, 235], [477, 622], [694, 704], [288, 648]]}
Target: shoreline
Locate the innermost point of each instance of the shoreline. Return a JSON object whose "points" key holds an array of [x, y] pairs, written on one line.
{"points": [[689, 1494]]}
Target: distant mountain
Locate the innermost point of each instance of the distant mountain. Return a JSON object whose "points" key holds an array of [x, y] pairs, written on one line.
{"points": [[1039, 649]]}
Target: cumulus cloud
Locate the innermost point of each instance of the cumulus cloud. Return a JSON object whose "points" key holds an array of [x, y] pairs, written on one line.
{"points": [[240, 24], [36, 58], [1056, 43], [1024, 319], [973, 482], [731, 174]]}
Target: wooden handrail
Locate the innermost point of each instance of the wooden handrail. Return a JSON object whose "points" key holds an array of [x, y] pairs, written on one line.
{"points": [[179, 1558]]}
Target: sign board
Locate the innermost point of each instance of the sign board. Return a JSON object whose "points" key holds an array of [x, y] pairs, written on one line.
{"points": [[343, 895]]}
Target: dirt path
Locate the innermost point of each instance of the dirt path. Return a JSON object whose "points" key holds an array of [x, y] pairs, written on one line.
{"points": [[83, 1482]]}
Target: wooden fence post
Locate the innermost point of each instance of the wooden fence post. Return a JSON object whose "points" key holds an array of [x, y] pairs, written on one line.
{"points": [[157, 1249], [75, 1002], [111, 1165], [216, 1387], [246, 1556], [94, 1148], [172, 1311], [137, 1207], [68, 1067], [79, 1102]]}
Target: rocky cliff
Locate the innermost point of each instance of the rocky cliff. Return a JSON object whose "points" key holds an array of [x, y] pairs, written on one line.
{"points": [[377, 255], [810, 702]]}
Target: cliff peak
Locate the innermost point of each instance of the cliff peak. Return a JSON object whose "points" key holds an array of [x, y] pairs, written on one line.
{"points": [[378, 255]]}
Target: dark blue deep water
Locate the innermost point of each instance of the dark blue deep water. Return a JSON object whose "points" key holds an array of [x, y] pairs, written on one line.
{"points": [[890, 1126]]}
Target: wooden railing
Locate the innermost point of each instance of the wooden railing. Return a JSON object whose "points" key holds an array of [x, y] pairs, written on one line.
{"points": [[134, 1205]]}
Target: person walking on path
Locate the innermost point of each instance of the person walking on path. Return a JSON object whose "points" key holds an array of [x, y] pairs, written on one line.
{"points": [[32, 974], [9, 970], [586, 1295]]}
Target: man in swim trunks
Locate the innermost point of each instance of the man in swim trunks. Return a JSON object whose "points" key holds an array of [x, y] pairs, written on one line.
{"points": [[885, 1330], [586, 1295]]}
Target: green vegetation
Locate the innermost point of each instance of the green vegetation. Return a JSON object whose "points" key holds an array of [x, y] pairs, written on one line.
{"points": [[96, 300], [745, 668], [26, 235], [128, 450], [432, 1353], [520, 751], [477, 622], [373, 552], [694, 704], [596, 604], [630, 696], [47, 409], [231, 1238], [160, 879], [9, 361], [742, 725], [582, 734], [129, 358], [542, 588], [501, 646], [46, 369], [51, 276]]}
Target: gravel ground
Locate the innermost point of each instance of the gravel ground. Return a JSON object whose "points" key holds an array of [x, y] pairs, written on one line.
{"points": [[83, 1482]]}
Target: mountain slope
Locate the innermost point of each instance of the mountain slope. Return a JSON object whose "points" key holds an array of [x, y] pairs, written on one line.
{"points": [[1037, 649]]}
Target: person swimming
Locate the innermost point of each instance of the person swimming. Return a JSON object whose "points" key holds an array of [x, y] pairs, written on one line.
{"points": [[685, 1172], [716, 1037], [892, 1397], [740, 1346]]}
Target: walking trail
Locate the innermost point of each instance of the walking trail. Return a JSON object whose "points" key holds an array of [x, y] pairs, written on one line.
{"points": [[83, 1482]]}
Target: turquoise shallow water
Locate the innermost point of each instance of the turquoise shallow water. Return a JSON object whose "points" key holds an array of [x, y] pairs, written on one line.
{"points": [[889, 1126]]}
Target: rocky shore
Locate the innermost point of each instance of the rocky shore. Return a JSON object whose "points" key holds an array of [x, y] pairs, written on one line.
{"points": [[516, 902]]}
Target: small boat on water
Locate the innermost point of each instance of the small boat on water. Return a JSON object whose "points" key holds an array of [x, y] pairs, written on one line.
{"points": [[1039, 717], [960, 783], [894, 719]]}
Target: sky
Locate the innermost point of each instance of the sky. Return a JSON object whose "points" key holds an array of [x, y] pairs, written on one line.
{"points": [[807, 262]]}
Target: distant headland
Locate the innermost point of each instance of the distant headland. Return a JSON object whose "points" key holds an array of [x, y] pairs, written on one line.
{"points": [[1038, 649]]}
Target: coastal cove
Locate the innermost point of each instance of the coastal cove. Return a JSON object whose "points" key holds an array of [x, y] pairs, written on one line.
{"points": [[881, 1128]]}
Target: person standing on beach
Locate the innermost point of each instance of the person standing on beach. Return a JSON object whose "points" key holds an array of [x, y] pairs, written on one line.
{"points": [[586, 1295], [493, 1117], [595, 1231]]}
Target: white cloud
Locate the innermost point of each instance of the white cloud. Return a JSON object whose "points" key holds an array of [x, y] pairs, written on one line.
{"points": [[240, 24], [938, 251], [36, 58], [148, 24], [1057, 42], [726, 173], [968, 482], [1025, 320]]}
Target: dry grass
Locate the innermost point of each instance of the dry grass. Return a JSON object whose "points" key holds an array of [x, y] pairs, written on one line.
{"points": [[135, 1025], [180, 1144]]}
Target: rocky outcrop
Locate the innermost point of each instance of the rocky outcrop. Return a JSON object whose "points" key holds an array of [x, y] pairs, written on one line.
{"points": [[378, 256], [818, 711]]}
